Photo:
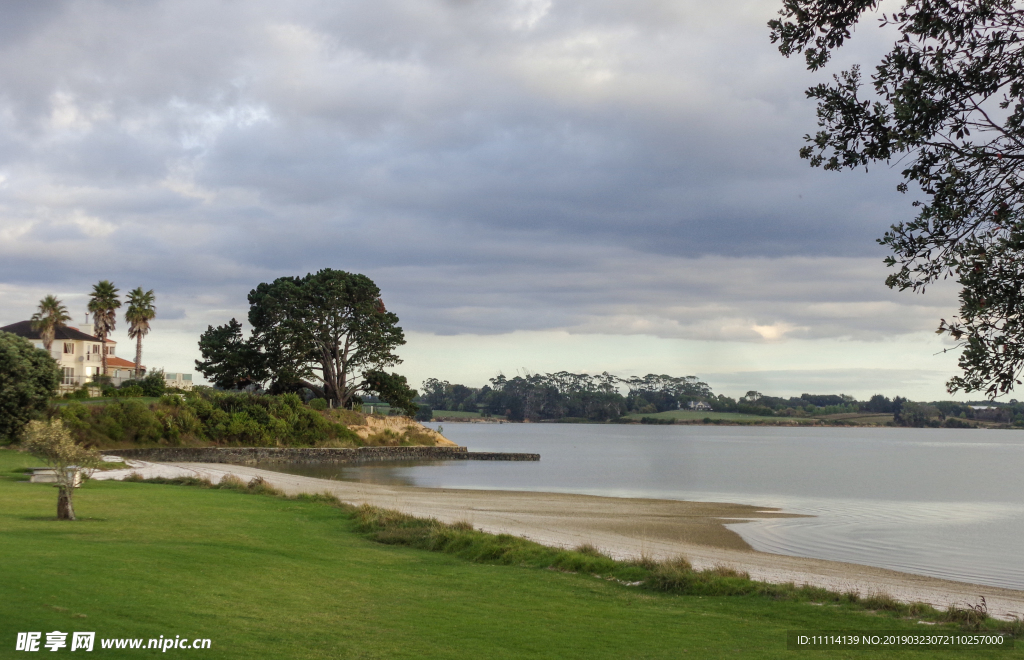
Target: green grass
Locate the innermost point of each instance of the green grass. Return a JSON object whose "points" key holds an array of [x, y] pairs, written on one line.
{"points": [[456, 414], [278, 578], [698, 415], [861, 418]]}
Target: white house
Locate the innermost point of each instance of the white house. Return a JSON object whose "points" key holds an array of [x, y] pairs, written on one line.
{"points": [[79, 355]]}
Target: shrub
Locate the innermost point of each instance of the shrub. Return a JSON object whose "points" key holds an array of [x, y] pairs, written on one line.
{"points": [[318, 404], [154, 384], [238, 419], [129, 392], [242, 430], [129, 421]]}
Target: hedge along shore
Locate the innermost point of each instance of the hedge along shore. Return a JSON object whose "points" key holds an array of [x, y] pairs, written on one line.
{"points": [[623, 528], [339, 455]]}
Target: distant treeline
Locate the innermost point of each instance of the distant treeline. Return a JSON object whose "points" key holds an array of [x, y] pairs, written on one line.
{"points": [[904, 411], [564, 395]]}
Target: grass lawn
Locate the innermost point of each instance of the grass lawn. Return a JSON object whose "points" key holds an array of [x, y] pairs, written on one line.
{"points": [[861, 418], [265, 577], [689, 415], [456, 414]]}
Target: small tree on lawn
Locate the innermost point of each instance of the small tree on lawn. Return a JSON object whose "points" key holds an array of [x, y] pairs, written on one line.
{"points": [[52, 443]]}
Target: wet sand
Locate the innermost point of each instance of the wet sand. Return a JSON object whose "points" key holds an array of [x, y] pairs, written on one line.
{"points": [[623, 528]]}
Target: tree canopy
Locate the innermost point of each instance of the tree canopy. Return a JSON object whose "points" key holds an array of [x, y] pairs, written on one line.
{"points": [[564, 394], [947, 102], [52, 314], [229, 361], [327, 331], [28, 378], [103, 304], [141, 310]]}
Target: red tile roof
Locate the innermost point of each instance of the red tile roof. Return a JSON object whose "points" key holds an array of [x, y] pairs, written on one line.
{"points": [[120, 363]]}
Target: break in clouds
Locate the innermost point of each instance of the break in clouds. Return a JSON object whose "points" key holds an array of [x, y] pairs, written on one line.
{"points": [[597, 167]]}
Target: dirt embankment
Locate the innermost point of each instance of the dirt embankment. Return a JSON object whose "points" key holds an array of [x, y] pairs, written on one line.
{"points": [[377, 429]]}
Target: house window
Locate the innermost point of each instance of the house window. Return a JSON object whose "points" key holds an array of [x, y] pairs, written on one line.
{"points": [[69, 348], [110, 350], [186, 376], [69, 375]]}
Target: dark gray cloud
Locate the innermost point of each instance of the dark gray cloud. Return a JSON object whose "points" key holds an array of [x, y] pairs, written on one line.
{"points": [[519, 165]]}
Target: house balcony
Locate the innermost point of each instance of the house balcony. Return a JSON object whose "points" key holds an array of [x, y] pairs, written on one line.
{"points": [[71, 383]]}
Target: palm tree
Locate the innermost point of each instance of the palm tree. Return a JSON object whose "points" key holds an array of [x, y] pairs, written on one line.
{"points": [[52, 314], [103, 304], [139, 313]]}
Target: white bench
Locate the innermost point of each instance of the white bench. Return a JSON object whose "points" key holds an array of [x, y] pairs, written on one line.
{"points": [[49, 476]]}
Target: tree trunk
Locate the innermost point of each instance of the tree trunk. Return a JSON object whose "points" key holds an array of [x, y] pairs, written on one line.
{"points": [[138, 355], [103, 353], [65, 510]]}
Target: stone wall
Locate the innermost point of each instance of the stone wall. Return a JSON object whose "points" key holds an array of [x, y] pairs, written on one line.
{"points": [[251, 455]]}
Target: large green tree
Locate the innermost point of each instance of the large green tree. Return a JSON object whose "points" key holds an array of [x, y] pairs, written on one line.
{"points": [[141, 310], [229, 360], [52, 314], [947, 104], [28, 378], [103, 305], [327, 331]]}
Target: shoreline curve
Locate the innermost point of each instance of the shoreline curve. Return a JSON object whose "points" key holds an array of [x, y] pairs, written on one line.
{"points": [[621, 527]]}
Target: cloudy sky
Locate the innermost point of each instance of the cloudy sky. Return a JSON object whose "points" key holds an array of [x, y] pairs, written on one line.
{"points": [[534, 184]]}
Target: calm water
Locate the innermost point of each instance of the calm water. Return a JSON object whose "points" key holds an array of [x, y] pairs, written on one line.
{"points": [[941, 502]]}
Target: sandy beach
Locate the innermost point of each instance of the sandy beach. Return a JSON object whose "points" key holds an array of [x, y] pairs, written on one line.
{"points": [[622, 528]]}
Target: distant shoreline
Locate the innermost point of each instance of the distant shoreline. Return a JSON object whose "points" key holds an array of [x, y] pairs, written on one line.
{"points": [[790, 423]]}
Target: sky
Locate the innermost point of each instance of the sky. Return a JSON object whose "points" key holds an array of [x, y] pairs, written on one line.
{"points": [[535, 185]]}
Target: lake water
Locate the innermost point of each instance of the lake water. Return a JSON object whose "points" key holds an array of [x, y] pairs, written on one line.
{"points": [[942, 502]]}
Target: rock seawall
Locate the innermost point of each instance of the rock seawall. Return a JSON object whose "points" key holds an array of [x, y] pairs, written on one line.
{"points": [[253, 455]]}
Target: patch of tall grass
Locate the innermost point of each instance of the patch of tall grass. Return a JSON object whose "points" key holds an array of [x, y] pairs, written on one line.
{"points": [[256, 486]]}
